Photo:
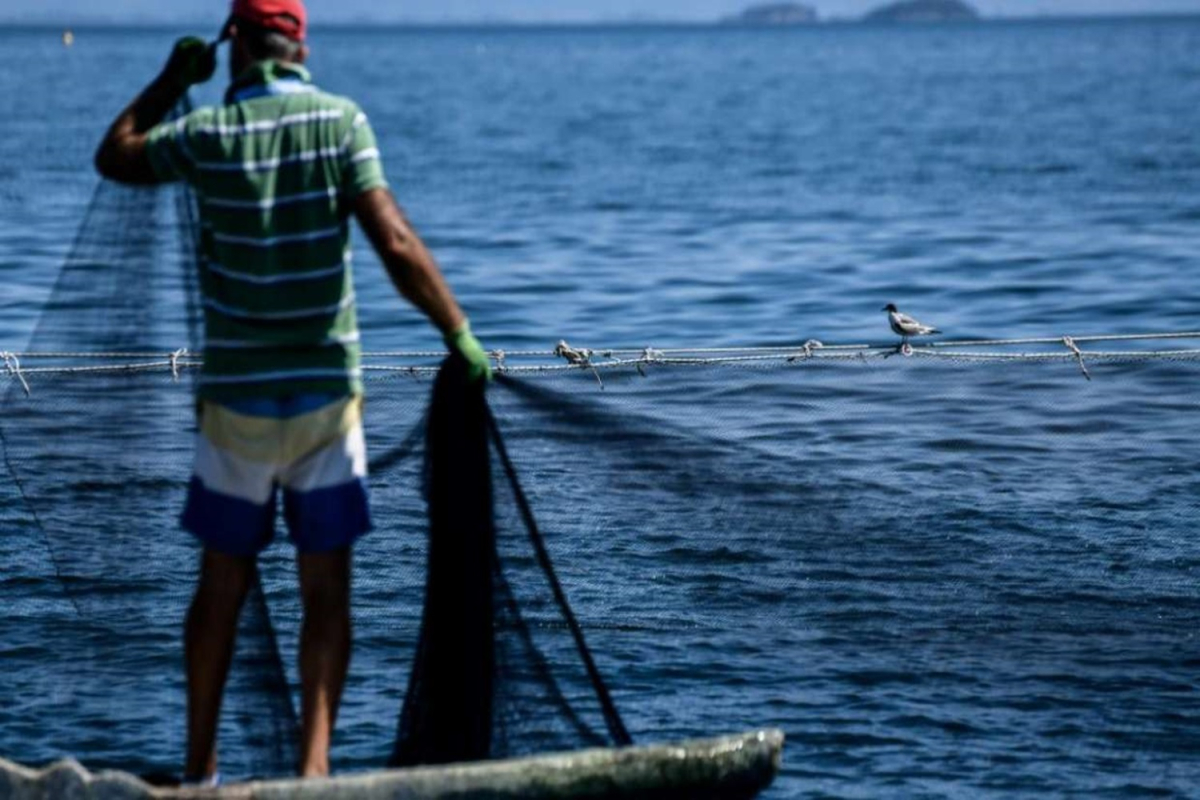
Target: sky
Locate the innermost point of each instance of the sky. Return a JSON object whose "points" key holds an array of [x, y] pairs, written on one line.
{"points": [[348, 11]]}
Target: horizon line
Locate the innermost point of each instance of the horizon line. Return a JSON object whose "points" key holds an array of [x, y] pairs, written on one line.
{"points": [[722, 22]]}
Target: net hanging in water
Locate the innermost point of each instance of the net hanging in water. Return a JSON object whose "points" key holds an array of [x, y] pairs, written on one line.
{"points": [[478, 690]]}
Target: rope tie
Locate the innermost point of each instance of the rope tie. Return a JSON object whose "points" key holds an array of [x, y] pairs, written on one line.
{"points": [[581, 357], [649, 356], [178, 354], [1074, 348], [13, 365], [498, 356], [577, 357], [807, 351]]}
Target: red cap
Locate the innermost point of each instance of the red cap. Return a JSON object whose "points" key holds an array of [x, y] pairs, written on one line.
{"points": [[284, 16]]}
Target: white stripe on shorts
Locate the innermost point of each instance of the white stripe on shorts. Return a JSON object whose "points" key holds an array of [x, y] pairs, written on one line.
{"points": [[342, 461]]}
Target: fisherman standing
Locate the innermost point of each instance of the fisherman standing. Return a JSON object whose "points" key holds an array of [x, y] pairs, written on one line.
{"points": [[278, 169]]}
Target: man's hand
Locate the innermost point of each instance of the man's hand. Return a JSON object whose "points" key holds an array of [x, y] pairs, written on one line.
{"points": [[479, 366], [192, 61]]}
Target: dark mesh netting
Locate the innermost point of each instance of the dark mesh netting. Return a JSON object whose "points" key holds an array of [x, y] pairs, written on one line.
{"points": [[934, 574], [99, 462], [98, 479]]}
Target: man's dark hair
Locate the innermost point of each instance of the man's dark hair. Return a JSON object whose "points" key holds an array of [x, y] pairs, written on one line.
{"points": [[264, 43]]}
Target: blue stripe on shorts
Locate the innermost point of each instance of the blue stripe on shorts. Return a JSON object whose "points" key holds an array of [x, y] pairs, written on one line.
{"points": [[319, 520], [227, 524], [327, 519]]}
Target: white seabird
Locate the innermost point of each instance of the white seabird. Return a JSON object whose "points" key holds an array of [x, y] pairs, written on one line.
{"points": [[905, 325]]}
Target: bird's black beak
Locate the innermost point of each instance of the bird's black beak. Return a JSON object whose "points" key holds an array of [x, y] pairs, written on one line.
{"points": [[885, 308]]}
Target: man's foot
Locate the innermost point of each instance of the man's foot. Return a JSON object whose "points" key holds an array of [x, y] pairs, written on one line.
{"points": [[204, 782]]}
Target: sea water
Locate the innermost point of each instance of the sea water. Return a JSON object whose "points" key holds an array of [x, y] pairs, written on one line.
{"points": [[702, 186]]}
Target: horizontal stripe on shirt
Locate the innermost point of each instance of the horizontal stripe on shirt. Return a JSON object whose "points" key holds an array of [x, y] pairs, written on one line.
{"points": [[359, 120], [302, 313], [283, 375], [270, 125], [268, 164], [272, 241], [364, 155], [284, 277], [269, 203], [236, 344]]}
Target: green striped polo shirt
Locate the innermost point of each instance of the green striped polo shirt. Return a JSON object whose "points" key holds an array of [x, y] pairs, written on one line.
{"points": [[275, 171]]}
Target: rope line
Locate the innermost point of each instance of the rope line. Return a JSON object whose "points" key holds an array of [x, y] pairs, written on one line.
{"points": [[566, 357], [637, 352], [171, 366], [13, 365]]}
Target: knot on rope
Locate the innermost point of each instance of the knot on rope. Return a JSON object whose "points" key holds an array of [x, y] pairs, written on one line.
{"points": [[650, 354], [1074, 348], [807, 350], [498, 357], [178, 354], [580, 357], [13, 365]]}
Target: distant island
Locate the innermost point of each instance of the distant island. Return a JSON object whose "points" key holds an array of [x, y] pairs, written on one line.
{"points": [[924, 11], [775, 14], [784, 14]]}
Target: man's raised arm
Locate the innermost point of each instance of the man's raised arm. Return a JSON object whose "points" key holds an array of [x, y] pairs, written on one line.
{"points": [[122, 155]]}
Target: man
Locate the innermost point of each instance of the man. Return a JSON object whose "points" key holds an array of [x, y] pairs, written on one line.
{"points": [[278, 170]]}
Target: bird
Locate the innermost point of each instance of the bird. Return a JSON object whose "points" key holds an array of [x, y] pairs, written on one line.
{"points": [[905, 325]]}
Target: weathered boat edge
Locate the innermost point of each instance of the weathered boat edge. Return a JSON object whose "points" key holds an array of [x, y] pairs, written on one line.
{"points": [[724, 767]]}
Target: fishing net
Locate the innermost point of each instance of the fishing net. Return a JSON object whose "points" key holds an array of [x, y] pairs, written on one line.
{"points": [[933, 572], [98, 468]]}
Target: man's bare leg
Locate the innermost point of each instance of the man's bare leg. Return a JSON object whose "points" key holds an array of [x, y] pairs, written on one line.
{"points": [[208, 646], [324, 652]]}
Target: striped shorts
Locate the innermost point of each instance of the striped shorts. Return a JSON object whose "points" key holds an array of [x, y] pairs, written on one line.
{"points": [[310, 446]]}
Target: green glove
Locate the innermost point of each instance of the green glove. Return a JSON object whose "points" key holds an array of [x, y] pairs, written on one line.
{"points": [[463, 341], [192, 61]]}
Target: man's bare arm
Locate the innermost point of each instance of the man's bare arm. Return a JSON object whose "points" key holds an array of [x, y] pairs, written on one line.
{"points": [[122, 155], [408, 262]]}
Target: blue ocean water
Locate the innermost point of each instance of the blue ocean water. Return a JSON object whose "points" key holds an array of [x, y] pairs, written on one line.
{"points": [[668, 187]]}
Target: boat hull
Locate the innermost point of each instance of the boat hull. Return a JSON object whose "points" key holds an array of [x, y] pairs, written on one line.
{"points": [[730, 767]]}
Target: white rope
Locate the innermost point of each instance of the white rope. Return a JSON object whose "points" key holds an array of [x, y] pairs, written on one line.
{"points": [[565, 357], [148, 366], [14, 370], [1092, 355], [13, 365], [633, 353], [178, 354]]}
